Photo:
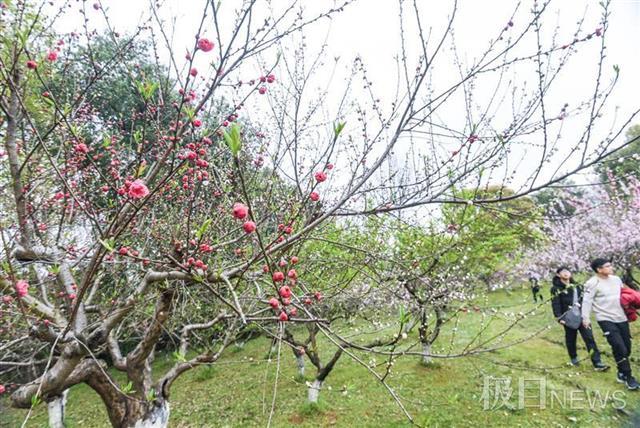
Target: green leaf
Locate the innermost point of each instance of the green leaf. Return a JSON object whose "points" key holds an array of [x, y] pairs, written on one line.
{"points": [[153, 87], [151, 395], [147, 89], [404, 316], [23, 36], [140, 170], [49, 101], [75, 130], [109, 244], [337, 128], [203, 229], [137, 136], [35, 400], [6, 267], [128, 388], [179, 357], [233, 139], [106, 141], [189, 112]]}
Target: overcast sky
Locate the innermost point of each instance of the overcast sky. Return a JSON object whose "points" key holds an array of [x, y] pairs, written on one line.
{"points": [[370, 29]]}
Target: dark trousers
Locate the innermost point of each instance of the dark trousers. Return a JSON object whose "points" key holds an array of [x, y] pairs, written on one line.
{"points": [[570, 336], [619, 337], [535, 291]]}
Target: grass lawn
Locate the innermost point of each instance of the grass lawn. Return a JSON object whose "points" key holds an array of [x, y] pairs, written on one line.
{"points": [[238, 391]]}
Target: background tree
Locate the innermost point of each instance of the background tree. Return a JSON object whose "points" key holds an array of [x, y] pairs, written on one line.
{"points": [[495, 236], [625, 165]]}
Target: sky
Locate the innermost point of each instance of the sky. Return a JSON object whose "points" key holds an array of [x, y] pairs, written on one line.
{"points": [[370, 30]]}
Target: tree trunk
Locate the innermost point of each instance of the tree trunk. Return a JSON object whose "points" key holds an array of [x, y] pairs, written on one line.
{"points": [[428, 338], [426, 354], [411, 325], [422, 332], [56, 410], [300, 364], [273, 350], [156, 417], [314, 391], [128, 412]]}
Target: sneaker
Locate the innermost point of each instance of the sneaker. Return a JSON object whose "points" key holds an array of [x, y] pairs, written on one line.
{"points": [[575, 361], [632, 383], [620, 377], [600, 367]]}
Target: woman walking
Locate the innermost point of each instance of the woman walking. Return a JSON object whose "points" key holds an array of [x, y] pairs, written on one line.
{"points": [[566, 292]]}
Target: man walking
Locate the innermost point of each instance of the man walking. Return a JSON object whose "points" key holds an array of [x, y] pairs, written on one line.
{"points": [[602, 294]]}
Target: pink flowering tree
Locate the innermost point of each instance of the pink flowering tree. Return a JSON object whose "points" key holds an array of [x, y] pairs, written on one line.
{"points": [[120, 222], [184, 211], [603, 222]]}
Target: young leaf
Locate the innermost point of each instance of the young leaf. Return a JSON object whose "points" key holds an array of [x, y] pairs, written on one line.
{"points": [[232, 139], [49, 101], [106, 141], [147, 89], [128, 388], [189, 112], [140, 170], [108, 244], [179, 357], [35, 400], [203, 229], [137, 136]]}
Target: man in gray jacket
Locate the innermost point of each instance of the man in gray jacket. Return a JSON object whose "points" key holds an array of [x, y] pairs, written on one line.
{"points": [[602, 294]]}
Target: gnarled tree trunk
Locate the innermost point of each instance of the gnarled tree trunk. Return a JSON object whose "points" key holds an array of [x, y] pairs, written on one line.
{"points": [[126, 411], [156, 417]]}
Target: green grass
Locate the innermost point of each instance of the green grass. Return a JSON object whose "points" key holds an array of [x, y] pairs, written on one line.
{"points": [[238, 390]]}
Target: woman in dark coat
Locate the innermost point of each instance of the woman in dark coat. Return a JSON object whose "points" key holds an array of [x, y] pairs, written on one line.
{"points": [[561, 301]]}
